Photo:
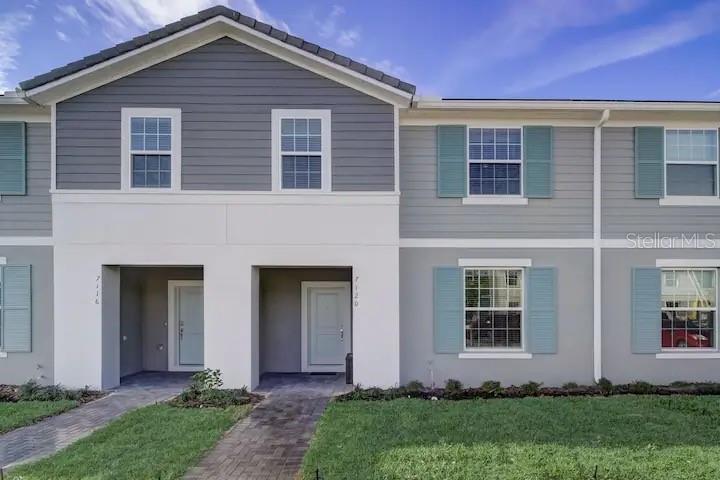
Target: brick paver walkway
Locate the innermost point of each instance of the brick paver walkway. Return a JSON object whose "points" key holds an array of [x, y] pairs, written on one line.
{"points": [[52, 434], [271, 441]]}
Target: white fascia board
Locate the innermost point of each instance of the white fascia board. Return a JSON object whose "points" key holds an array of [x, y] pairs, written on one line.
{"points": [[494, 262], [25, 241], [529, 243], [202, 34]]}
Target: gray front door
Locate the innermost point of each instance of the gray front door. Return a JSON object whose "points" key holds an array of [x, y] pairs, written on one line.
{"points": [[329, 325], [190, 325]]}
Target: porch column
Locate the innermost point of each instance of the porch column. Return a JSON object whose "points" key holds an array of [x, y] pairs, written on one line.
{"points": [[231, 321]]}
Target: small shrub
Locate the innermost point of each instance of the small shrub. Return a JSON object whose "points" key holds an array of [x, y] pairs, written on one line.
{"points": [[570, 385], [207, 379], [28, 390], [641, 388], [606, 386], [491, 387], [204, 391], [679, 384], [530, 389], [453, 386], [414, 386]]}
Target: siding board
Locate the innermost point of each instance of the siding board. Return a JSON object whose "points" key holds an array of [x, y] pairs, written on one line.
{"points": [[226, 91], [567, 214]]}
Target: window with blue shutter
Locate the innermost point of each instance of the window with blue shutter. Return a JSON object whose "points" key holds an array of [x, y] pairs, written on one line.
{"points": [[649, 162], [542, 309], [451, 161], [15, 308], [12, 158], [645, 315], [448, 308], [539, 165]]}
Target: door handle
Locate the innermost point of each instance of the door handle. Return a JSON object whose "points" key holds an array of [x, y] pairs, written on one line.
{"points": [[342, 334]]}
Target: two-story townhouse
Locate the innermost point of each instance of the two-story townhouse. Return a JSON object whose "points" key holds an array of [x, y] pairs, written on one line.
{"points": [[218, 193]]}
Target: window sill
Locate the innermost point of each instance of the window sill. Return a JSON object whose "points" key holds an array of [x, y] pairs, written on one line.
{"points": [[690, 201], [687, 355], [495, 200], [495, 356]]}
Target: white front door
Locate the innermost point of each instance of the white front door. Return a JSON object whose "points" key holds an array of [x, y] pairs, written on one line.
{"points": [[326, 324], [186, 325]]}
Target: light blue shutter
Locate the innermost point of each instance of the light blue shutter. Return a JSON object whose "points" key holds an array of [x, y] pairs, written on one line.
{"points": [[542, 309], [646, 315], [12, 158], [451, 161], [16, 308], [448, 309], [649, 162], [538, 165]]}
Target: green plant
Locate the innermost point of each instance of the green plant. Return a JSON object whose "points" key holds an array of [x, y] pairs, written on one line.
{"points": [[570, 385], [207, 379], [530, 388], [606, 386], [492, 387], [414, 386], [639, 387], [453, 386]]}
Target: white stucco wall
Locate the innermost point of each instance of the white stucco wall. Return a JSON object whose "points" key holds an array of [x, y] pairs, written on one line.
{"points": [[229, 236]]}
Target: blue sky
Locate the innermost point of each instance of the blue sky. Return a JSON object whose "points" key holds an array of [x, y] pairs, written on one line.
{"points": [[612, 49]]}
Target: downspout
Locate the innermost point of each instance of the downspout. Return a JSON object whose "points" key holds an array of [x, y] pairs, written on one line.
{"points": [[597, 245]]}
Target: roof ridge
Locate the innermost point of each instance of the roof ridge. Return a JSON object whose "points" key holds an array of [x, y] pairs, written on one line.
{"points": [[202, 16]]}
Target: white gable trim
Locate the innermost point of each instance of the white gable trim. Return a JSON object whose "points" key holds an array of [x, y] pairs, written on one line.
{"points": [[197, 36]]}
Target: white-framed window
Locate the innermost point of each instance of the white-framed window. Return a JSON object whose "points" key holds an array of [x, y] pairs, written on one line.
{"points": [[301, 150], [495, 161], [151, 149], [689, 298], [691, 162], [494, 303]]}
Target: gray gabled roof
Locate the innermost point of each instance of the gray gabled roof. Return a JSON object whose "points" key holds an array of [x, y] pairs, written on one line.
{"points": [[200, 17]]}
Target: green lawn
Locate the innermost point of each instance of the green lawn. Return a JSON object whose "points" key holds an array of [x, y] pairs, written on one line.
{"points": [[155, 442], [627, 437], [18, 414]]}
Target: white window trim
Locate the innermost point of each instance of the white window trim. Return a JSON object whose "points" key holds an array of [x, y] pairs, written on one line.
{"points": [[325, 156], [175, 116], [495, 262], [487, 353], [693, 353], [471, 355], [691, 200], [478, 199]]}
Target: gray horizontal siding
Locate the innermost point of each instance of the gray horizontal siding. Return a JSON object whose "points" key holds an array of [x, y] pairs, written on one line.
{"points": [[567, 215], [226, 91], [30, 214], [622, 213]]}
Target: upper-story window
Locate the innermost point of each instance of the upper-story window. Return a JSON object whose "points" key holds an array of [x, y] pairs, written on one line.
{"points": [[493, 308], [495, 161], [691, 162], [151, 149], [689, 308], [301, 150]]}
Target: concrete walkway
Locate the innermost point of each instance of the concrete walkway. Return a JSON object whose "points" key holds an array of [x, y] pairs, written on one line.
{"points": [[55, 433], [271, 441]]}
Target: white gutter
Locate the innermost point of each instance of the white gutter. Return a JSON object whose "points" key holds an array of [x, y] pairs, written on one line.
{"points": [[597, 247], [434, 103]]}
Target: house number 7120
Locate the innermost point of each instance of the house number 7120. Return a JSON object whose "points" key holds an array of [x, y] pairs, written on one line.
{"points": [[356, 292]]}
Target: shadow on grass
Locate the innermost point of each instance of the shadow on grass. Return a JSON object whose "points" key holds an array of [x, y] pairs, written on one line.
{"points": [[627, 437]]}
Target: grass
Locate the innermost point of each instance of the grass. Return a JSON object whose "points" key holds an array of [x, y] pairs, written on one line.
{"points": [[155, 442], [626, 437], [19, 414]]}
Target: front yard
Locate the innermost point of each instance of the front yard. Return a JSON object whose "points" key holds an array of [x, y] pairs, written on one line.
{"points": [[19, 414], [155, 442], [624, 437]]}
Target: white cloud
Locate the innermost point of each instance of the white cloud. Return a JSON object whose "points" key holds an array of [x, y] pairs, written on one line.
{"points": [[348, 38], [71, 13], [672, 31], [391, 68], [522, 28], [122, 19], [713, 94], [62, 36], [11, 24], [328, 26]]}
